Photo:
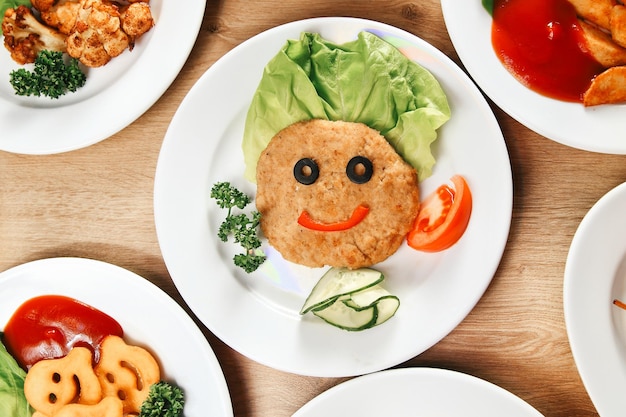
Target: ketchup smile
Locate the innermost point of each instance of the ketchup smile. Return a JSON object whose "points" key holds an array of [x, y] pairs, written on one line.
{"points": [[541, 43]]}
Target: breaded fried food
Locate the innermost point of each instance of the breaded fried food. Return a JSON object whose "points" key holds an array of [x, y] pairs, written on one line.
{"points": [[602, 47], [320, 169], [618, 25], [595, 11], [606, 88]]}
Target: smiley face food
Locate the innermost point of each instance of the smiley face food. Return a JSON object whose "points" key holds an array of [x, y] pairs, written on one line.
{"points": [[335, 193]]}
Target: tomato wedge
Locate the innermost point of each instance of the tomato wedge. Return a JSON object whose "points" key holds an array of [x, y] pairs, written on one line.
{"points": [[443, 217], [48, 326]]}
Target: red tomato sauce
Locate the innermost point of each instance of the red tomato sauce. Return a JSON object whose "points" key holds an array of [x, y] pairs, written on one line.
{"points": [[49, 326], [541, 43]]}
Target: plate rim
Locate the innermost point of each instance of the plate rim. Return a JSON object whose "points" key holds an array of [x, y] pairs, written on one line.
{"points": [[604, 386], [454, 379]]}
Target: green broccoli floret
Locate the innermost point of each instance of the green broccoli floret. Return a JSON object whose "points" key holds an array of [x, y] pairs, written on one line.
{"points": [[164, 400], [51, 77]]}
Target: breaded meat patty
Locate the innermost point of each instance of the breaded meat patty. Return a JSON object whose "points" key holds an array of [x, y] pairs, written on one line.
{"points": [[335, 193]]}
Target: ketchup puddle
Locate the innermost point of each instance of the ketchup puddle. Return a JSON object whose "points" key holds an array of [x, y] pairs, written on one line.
{"points": [[541, 43]]}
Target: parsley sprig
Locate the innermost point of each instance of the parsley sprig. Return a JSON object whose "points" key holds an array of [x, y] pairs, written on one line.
{"points": [[242, 227]]}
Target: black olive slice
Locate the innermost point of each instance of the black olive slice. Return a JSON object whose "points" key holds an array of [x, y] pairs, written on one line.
{"points": [[360, 170], [306, 171]]}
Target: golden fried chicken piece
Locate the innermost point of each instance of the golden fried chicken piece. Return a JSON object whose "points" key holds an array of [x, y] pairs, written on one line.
{"points": [[136, 19], [60, 14], [25, 36], [97, 35]]}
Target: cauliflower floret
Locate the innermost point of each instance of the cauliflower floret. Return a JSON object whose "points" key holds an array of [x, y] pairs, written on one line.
{"points": [[136, 19], [25, 36], [42, 5], [60, 14], [97, 35]]}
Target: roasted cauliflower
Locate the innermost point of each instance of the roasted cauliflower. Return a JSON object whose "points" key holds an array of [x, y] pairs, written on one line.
{"points": [[136, 19], [59, 14], [25, 36], [97, 35], [92, 31], [100, 30]]}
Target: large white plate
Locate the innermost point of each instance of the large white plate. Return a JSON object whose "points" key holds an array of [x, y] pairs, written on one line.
{"points": [[598, 129], [412, 392], [595, 275], [114, 96], [147, 315], [257, 314]]}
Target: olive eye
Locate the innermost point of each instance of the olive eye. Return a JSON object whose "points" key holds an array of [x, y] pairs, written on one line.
{"points": [[306, 171], [359, 170]]}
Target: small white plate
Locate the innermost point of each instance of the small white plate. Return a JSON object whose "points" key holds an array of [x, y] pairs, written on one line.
{"points": [[410, 392], [147, 315], [595, 275], [258, 314], [114, 96], [598, 129]]}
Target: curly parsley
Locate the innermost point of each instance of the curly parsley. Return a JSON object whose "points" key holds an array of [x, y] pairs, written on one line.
{"points": [[242, 227]]}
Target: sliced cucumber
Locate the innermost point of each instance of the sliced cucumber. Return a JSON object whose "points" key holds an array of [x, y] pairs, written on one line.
{"points": [[337, 282], [386, 303], [351, 299], [341, 315]]}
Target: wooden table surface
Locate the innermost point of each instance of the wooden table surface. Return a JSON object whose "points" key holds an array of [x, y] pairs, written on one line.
{"points": [[97, 203]]}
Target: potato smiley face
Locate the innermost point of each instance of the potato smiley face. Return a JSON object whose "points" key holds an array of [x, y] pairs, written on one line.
{"points": [[335, 193]]}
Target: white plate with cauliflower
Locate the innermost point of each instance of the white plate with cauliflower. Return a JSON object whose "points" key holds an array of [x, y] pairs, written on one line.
{"points": [[257, 314], [114, 94]]}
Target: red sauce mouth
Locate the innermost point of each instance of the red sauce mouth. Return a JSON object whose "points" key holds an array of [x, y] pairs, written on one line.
{"points": [[357, 216]]}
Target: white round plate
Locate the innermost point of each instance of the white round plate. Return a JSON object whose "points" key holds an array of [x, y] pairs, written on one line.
{"points": [[114, 96], [148, 316], [258, 314], [595, 275], [412, 392], [597, 129]]}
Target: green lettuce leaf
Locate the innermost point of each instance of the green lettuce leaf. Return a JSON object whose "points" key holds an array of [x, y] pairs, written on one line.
{"points": [[488, 5], [366, 80], [12, 400]]}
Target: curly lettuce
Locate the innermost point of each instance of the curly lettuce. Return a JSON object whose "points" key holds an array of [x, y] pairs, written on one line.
{"points": [[366, 80], [12, 399], [488, 5]]}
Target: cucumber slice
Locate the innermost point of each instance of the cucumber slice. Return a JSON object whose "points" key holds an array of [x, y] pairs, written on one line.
{"points": [[337, 282], [346, 317], [386, 303]]}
